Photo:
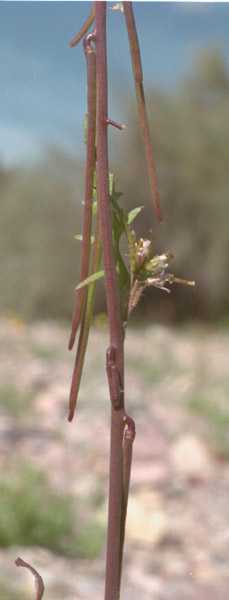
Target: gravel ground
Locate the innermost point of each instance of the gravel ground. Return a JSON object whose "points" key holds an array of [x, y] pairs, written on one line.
{"points": [[177, 537]]}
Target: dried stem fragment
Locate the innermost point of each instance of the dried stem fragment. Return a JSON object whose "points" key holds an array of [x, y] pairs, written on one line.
{"points": [[39, 584]]}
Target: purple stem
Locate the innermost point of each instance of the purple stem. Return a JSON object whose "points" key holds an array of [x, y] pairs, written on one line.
{"points": [[113, 307], [119, 126]]}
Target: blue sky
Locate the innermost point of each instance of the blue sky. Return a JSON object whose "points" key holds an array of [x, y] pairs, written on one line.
{"points": [[43, 82]]}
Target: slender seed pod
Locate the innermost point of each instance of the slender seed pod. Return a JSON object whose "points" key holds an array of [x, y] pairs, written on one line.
{"points": [[91, 133], [138, 80]]}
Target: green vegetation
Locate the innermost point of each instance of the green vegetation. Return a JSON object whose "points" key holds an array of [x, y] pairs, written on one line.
{"points": [[149, 372], [12, 400], [39, 214], [31, 514], [7, 594], [41, 351], [191, 148], [215, 414]]}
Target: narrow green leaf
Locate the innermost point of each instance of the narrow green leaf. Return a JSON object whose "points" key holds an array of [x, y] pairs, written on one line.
{"points": [[79, 237], [95, 206], [133, 213], [115, 195], [90, 279], [111, 183]]}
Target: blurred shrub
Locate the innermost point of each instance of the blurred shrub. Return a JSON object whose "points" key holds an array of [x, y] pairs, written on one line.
{"points": [[190, 138], [32, 515], [8, 594], [215, 414], [12, 401], [41, 211], [40, 214]]}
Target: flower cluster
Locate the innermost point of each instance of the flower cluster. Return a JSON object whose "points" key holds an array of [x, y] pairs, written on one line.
{"points": [[146, 271]]}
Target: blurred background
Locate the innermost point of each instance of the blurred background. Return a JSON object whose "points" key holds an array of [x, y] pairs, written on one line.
{"points": [[185, 51], [54, 475]]}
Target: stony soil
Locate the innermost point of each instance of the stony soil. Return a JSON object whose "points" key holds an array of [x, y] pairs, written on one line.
{"points": [[177, 538]]}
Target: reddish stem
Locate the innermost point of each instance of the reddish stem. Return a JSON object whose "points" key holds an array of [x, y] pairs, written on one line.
{"points": [[110, 122], [113, 306]]}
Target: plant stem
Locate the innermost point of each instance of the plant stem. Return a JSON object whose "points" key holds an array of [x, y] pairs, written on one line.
{"points": [[86, 245], [113, 307], [138, 80], [113, 300]]}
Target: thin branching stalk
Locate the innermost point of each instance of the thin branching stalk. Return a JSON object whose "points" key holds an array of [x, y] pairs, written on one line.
{"points": [[91, 133], [138, 80]]}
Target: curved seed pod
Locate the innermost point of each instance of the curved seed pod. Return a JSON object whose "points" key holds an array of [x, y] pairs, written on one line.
{"points": [[84, 28]]}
